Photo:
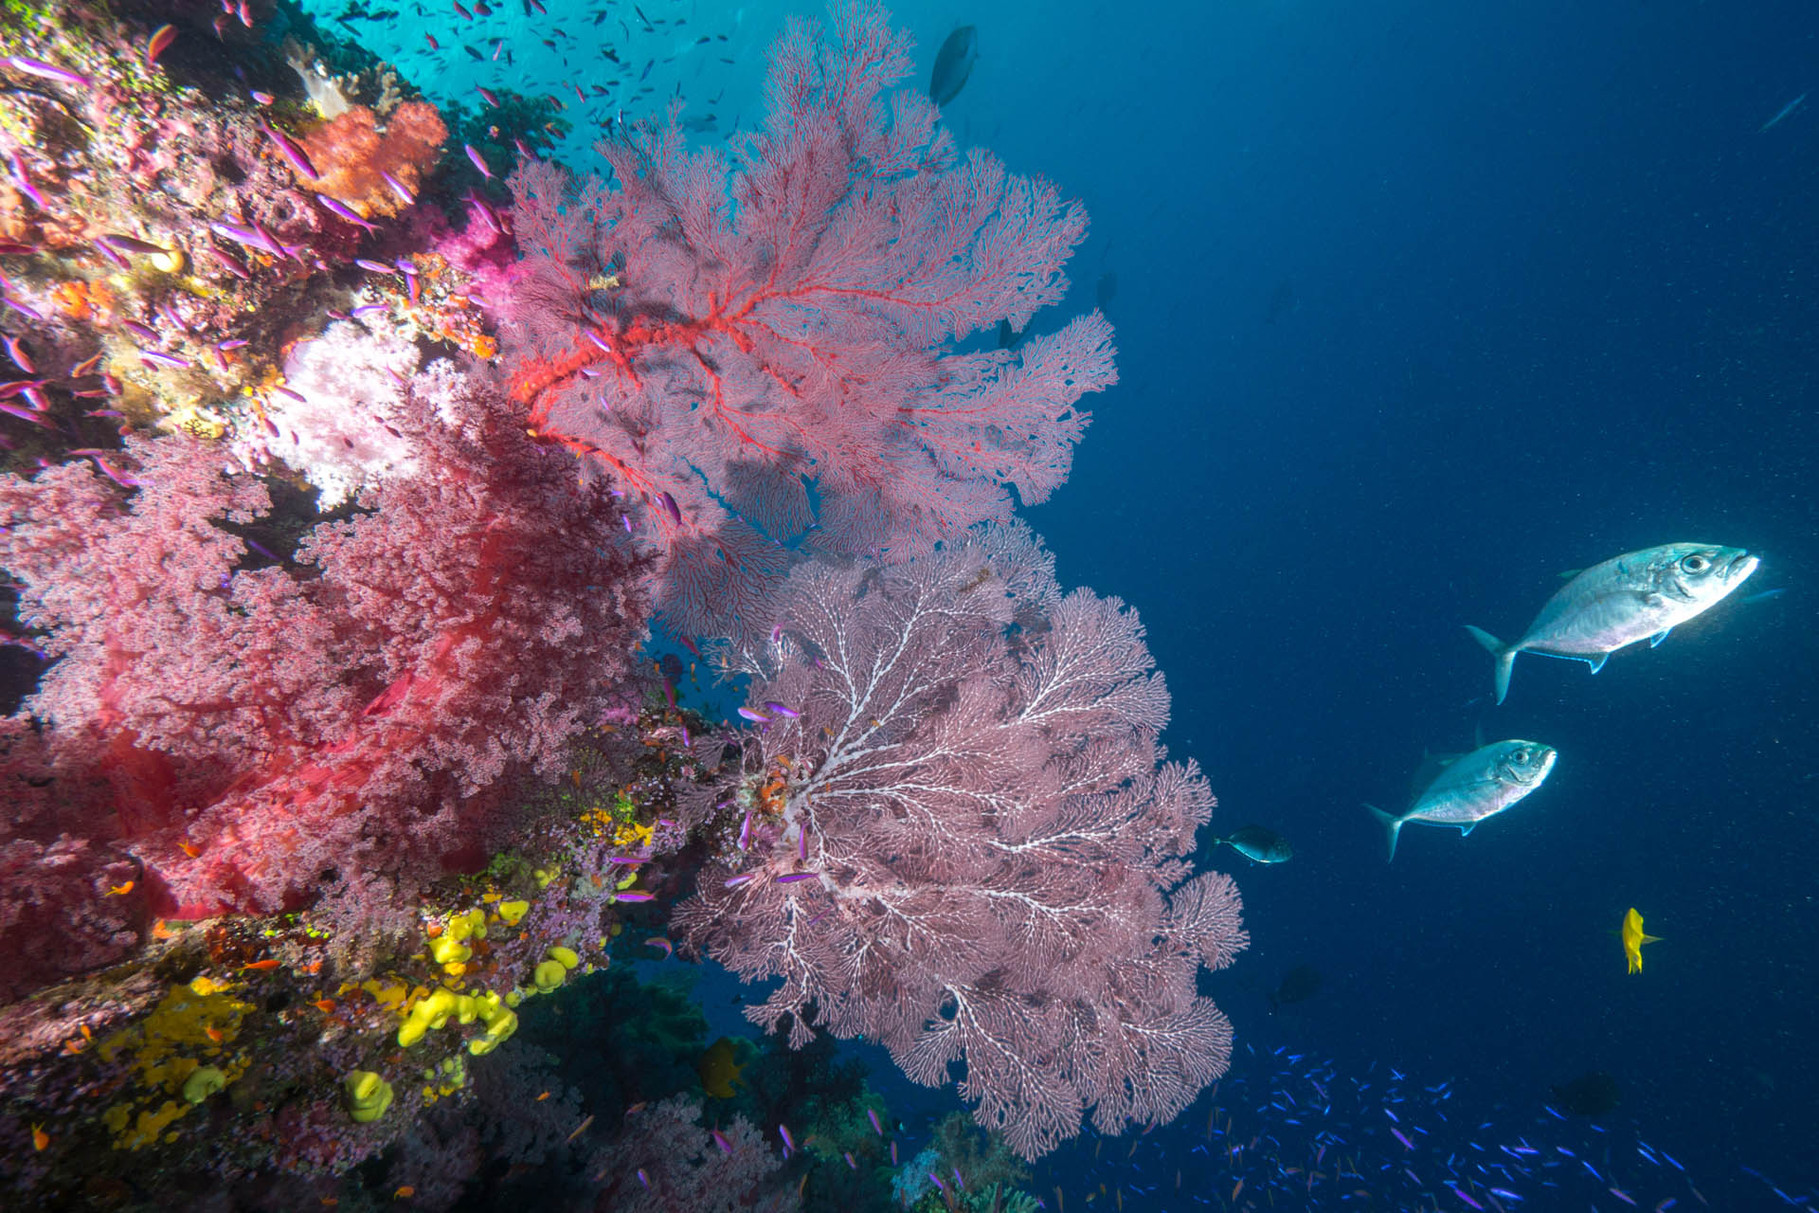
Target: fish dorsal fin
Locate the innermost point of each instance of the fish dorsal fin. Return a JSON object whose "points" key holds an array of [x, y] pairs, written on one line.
{"points": [[1431, 766], [1569, 574]]}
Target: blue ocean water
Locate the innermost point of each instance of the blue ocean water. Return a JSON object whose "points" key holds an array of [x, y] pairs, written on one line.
{"points": [[1419, 305]]}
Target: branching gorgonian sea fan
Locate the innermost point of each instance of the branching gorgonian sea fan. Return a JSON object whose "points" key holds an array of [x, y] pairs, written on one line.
{"points": [[760, 344], [958, 835]]}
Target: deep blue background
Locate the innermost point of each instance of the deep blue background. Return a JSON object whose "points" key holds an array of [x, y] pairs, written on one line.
{"points": [[1420, 304]]}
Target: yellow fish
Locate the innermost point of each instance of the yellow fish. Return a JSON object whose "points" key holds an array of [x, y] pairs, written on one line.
{"points": [[1633, 939], [720, 1068]]}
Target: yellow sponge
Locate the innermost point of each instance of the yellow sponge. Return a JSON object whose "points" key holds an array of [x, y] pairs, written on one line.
{"points": [[368, 1096]]}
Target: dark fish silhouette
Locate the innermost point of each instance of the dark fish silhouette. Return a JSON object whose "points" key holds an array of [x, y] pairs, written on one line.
{"points": [[1259, 845], [1591, 1094], [953, 64], [1298, 985], [1107, 290]]}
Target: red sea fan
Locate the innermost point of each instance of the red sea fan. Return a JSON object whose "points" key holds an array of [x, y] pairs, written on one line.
{"points": [[960, 841], [257, 729], [761, 346]]}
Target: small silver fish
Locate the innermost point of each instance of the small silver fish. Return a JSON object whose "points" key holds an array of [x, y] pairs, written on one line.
{"points": [[1636, 596], [1467, 788]]}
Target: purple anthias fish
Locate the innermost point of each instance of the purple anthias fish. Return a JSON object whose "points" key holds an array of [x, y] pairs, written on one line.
{"points": [[49, 71]]}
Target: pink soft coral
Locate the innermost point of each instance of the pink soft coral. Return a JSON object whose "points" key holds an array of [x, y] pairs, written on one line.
{"points": [[260, 728]]}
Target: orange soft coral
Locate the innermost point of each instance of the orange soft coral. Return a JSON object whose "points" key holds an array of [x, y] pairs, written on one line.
{"points": [[350, 152]]}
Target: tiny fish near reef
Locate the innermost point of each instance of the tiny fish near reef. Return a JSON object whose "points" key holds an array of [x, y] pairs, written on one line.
{"points": [[1468, 788], [1636, 596]]}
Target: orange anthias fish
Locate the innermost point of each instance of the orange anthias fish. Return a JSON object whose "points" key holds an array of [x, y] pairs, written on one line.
{"points": [[1633, 939]]}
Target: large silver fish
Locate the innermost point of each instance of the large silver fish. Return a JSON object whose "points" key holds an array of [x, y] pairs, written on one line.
{"points": [[1467, 788], [1637, 596]]}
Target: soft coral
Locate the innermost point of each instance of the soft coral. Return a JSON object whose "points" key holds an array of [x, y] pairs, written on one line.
{"points": [[365, 711]]}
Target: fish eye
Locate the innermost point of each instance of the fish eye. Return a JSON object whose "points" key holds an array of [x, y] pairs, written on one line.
{"points": [[1696, 563], [1520, 755]]}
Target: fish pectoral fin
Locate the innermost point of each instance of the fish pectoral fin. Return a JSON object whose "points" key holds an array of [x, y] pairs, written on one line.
{"points": [[1658, 637], [1597, 663]]}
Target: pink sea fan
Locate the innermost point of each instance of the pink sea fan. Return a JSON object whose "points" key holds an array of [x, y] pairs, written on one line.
{"points": [[761, 346], [974, 789]]}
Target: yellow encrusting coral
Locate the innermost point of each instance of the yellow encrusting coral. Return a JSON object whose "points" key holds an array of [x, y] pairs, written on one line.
{"points": [[192, 1022]]}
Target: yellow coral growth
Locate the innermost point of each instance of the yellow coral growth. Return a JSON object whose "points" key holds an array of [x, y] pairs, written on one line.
{"points": [[193, 1021], [131, 1133], [634, 835]]}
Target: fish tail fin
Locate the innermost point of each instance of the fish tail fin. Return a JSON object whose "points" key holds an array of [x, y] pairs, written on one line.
{"points": [[1506, 658], [1392, 824]]}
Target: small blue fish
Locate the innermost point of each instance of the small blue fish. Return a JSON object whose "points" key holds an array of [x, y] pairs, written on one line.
{"points": [[1781, 113]]}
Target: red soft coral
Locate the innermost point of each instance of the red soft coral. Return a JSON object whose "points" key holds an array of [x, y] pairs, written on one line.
{"points": [[362, 714]]}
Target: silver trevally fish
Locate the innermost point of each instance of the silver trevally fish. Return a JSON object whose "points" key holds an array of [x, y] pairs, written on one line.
{"points": [[1467, 788], [1637, 596]]}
